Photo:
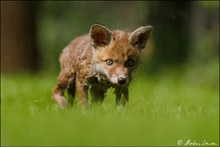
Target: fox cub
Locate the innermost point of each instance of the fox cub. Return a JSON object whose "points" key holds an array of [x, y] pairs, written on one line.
{"points": [[98, 61]]}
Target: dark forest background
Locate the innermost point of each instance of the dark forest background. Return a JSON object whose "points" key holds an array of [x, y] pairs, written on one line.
{"points": [[34, 33]]}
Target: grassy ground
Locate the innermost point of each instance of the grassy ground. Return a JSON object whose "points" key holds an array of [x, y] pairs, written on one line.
{"points": [[170, 108]]}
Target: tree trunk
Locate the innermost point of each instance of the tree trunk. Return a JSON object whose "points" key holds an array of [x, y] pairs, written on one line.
{"points": [[18, 36], [171, 21]]}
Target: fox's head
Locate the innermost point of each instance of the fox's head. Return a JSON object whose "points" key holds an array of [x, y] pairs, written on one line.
{"points": [[116, 54]]}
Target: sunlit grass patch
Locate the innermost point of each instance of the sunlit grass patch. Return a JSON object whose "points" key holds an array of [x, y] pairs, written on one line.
{"points": [[163, 109]]}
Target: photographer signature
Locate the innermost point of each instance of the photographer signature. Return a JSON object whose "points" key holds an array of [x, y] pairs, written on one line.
{"points": [[190, 142]]}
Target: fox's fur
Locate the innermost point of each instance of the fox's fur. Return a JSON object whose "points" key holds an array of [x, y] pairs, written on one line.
{"points": [[98, 61]]}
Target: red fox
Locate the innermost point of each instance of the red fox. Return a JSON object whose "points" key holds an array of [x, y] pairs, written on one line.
{"points": [[97, 61]]}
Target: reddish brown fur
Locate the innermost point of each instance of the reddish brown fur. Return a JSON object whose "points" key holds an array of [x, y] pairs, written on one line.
{"points": [[84, 65]]}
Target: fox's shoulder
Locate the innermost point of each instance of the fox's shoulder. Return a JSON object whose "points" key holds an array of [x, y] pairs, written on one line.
{"points": [[78, 44], [75, 48], [80, 40]]}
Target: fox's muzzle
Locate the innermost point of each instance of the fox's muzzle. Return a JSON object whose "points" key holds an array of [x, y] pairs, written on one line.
{"points": [[121, 80]]}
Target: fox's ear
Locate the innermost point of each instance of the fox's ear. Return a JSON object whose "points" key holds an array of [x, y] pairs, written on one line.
{"points": [[139, 37], [100, 35]]}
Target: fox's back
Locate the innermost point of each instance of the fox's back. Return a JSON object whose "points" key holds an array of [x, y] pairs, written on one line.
{"points": [[77, 50]]}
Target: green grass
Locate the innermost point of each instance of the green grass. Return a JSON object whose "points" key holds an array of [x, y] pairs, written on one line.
{"points": [[163, 109]]}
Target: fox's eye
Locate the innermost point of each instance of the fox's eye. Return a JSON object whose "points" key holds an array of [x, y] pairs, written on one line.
{"points": [[109, 62], [130, 63]]}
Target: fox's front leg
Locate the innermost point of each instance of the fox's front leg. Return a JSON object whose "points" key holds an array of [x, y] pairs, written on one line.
{"points": [[58, 90], [121, 96], [82, 93], [98, 94]]}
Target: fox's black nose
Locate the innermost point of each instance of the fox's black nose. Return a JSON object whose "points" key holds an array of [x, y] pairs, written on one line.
{"points": [[121, 80]]}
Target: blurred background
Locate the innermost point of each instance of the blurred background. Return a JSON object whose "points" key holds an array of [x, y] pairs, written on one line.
{"points": [[34, 33]]}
